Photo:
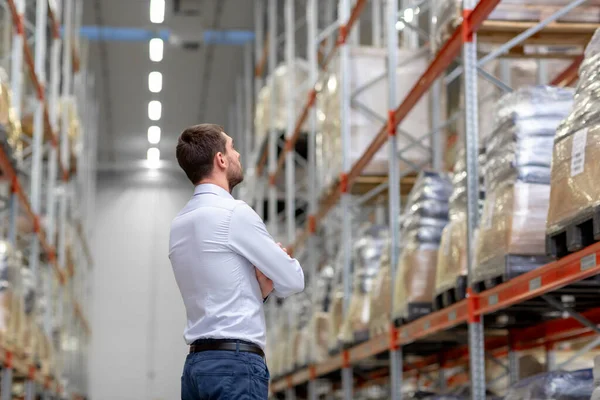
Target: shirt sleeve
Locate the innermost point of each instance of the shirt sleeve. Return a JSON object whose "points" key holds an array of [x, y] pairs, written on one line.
{"points": [[249, 238]]}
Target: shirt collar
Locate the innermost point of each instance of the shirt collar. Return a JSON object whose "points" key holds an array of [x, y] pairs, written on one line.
{"points": [[212, 189]]}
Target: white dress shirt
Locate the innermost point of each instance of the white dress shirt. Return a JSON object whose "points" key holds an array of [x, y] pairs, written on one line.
{"points": [[214, 245]]}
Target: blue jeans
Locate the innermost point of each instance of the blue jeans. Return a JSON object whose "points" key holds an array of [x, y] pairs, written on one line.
{"points": [[224, 375]]}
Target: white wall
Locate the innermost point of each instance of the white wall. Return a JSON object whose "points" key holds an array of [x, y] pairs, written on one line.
{"points": [[137, 312]]}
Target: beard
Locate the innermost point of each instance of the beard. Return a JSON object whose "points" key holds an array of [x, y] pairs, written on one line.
{"points": [[235, 176]]}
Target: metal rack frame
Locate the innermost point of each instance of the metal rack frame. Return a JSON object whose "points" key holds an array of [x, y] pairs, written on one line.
{"points": [[469, 312], [68, 198]]}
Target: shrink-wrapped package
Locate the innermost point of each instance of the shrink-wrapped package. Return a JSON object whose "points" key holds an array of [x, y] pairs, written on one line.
{"points": [[279, 81], [367, 254], [335, 317], [368, 73], [320, 319], [381, 296], [424, 218], [557, 385], [517, 177], [596, 393], [10, 125], [301, 320], [29, 300], [11, 313], [575, 193], [452, 255]]}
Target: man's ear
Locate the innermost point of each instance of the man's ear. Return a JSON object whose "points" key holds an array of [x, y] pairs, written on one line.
{"points": [[221, 161]]}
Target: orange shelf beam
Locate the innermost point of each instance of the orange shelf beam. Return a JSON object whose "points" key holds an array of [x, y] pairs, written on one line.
{"points": [[570, 74], [545, 279]]}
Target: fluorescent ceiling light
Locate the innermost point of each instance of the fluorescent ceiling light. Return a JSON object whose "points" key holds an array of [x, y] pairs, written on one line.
{"points": [[156, 49], [155, 82], [154, 134], [157, 11], [154, 110], [153, 157]]}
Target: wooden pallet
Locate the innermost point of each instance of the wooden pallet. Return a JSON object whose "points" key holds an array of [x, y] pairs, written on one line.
{"points": [[575, 234], [513, 265], [412, 312], [451, 295]]}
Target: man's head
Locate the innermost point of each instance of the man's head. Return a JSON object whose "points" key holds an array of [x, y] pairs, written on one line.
{"points": [[206, 153]]}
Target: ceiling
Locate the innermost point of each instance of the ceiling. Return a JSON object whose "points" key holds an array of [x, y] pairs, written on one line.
{"points": [[198, 86]]}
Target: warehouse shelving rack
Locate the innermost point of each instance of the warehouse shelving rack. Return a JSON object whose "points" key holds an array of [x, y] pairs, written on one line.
{"points": [[54, 181], [537, 286]]}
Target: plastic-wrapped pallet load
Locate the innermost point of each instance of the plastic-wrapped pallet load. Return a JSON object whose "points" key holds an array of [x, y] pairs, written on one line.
{"points": [[575, 193], [10, 302], [335, 317], [320, 318], [369, 83], [367, 253], [10, 126], [517, 178], [452, 256], [556, 385], [302, 320], [262, 119], [596, 393], [425, 216], [381, 296]]}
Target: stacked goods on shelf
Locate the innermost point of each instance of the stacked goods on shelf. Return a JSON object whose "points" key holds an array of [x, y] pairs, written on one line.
{"points": [[448, 13], [279, 81], [10, 126], [381, 296], [302, 335], [424, 218], [451, 274], [369, 85], [575, 193], [320, 318], [596, 393], [576, 385], [367, 254], [517, 181], [11, 311], [337, 306], [278, 359]]}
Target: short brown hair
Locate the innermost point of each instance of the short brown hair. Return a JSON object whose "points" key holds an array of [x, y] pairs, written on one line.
{"points": [[196, 150]]}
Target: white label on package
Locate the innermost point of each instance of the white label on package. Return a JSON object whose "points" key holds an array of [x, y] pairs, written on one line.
{"points": [[587, 262], [578, 151]]}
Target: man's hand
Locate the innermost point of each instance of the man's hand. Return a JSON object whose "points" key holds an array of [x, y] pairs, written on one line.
{"points": [[266, 285], [283, 248]]}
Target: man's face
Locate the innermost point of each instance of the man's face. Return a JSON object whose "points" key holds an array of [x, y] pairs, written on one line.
{"points": [[235, 174]]}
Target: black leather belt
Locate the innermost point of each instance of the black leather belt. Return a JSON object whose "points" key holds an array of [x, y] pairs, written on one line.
{"points": [[226, 345]]}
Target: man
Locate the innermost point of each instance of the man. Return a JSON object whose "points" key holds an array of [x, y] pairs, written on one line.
{"points": [[225, 264]]}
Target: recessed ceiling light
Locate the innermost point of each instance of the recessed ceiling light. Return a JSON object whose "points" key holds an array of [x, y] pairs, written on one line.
{"points": [[154, 134], [156, 49], [154, 110], [153, 157], [157, 11], [155, 82]]}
